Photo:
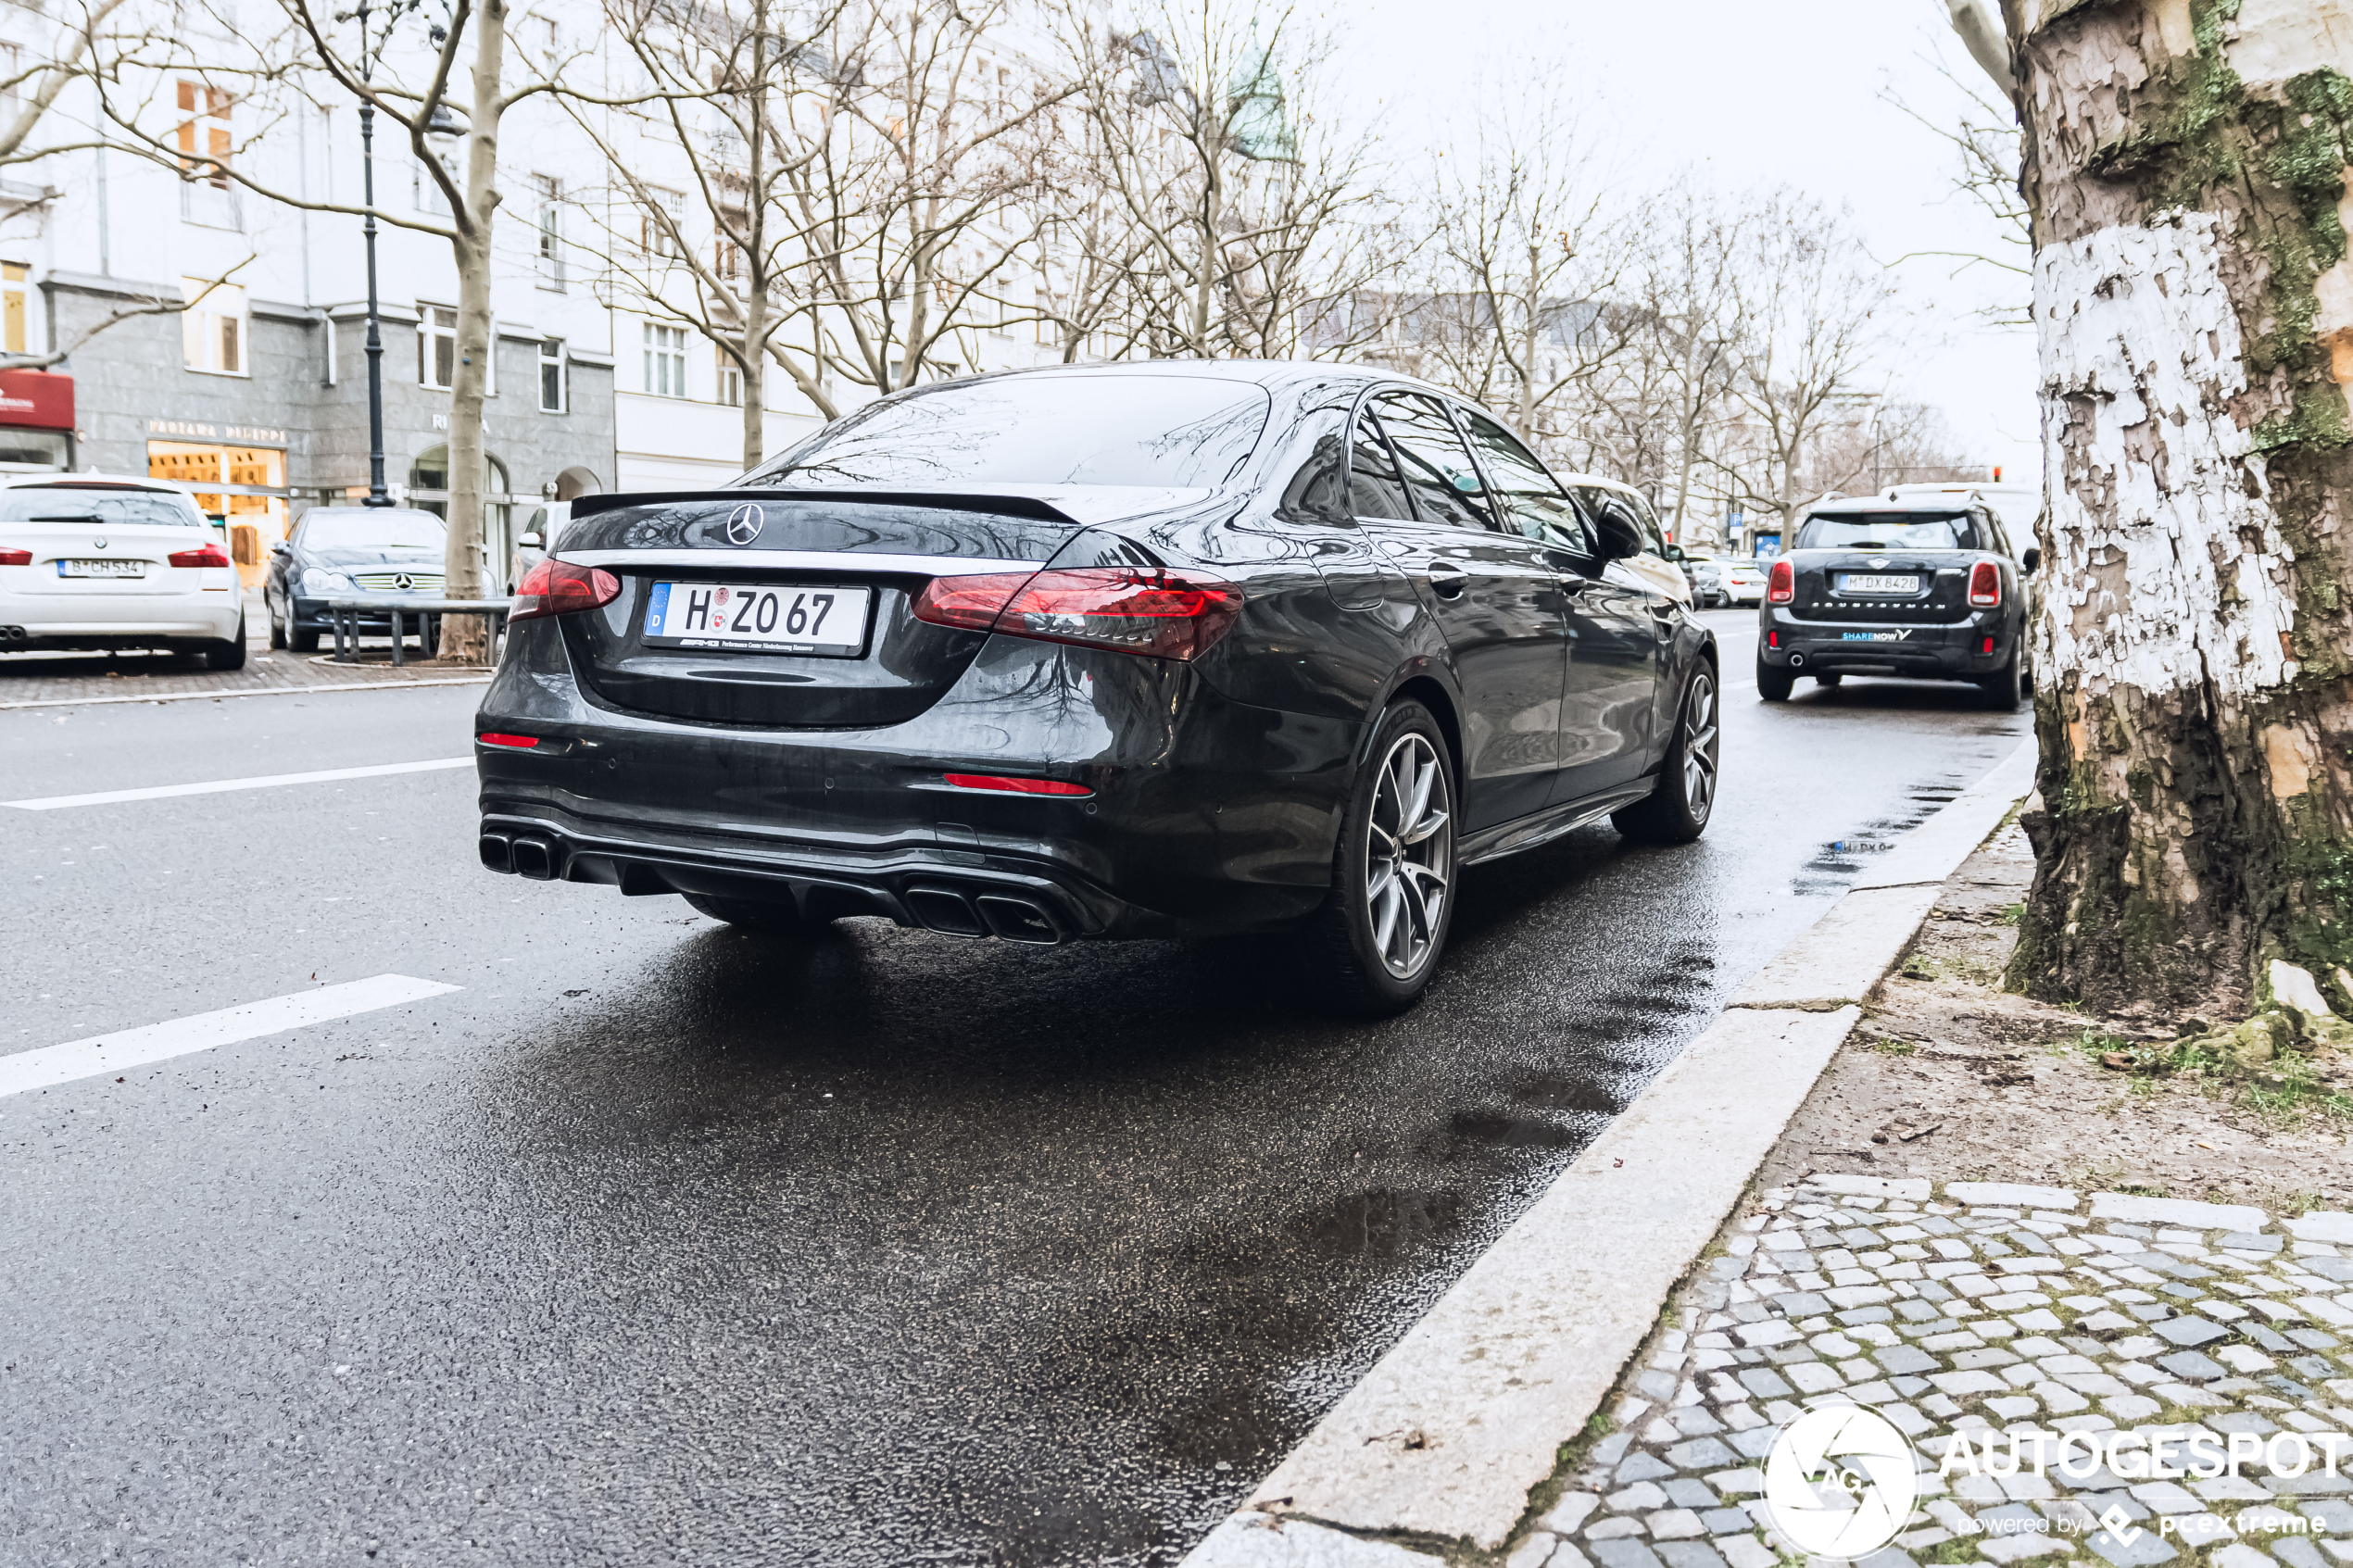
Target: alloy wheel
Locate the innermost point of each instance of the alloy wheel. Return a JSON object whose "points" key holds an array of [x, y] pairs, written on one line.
{"points": [[1699, 741], [1409, 856]]}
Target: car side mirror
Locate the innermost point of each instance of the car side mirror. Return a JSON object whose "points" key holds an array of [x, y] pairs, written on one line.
{"points": [[1675, 552], [280, 548], [528, 541], [1619, 539], [2031, 559]]}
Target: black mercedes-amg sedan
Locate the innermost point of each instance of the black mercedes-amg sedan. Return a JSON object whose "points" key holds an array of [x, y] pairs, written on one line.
{"points": [[1137, 650]]}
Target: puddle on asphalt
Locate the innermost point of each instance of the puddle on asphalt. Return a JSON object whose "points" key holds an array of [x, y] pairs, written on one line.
{"points": [[1381, 1224], [1839, 861]]}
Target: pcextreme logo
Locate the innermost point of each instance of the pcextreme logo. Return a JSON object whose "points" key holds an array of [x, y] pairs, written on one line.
{"points": [[1839, 1482]]}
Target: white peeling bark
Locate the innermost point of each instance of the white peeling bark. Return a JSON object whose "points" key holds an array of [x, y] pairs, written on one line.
{"points": [[2170, 572]]}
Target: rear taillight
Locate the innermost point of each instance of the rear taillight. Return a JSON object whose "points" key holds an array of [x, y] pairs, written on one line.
{"points": [[1782, 586], [1013, 785], [207, 554], [556, 587], [516, 743], [15, 557], [1985, 584], [1163, 614]]}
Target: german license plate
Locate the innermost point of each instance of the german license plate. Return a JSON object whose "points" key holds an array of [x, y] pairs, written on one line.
{"points": [[802, 618], [1869, 583], [102, 569], [1871, 636]]}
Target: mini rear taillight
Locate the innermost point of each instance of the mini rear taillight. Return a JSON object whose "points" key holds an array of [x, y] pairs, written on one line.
{"points": [[1015, 786], [1134, 609], [15, 557], [1782, 586], [1985, 584], [1772, 639], [207, 554], [556, 587], [1988, 647], [520, 743]]}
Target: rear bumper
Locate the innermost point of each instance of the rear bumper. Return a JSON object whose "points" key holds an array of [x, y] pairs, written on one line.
{"points": [[1206, 815], [1953, 652], [31, 620]]}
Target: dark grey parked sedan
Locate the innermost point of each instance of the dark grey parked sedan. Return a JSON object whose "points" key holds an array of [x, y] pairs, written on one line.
{"points": [[1111, 651], [373, 550]]}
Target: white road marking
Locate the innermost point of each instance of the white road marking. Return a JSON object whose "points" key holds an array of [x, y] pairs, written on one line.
{"points": [[162, 1042], [216, 786]]}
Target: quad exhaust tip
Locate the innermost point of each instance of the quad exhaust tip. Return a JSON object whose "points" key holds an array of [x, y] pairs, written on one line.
{"points": [[534, 858], [991, 914]]}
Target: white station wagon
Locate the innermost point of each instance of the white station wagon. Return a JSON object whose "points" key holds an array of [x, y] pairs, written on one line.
{"points": [[90, 560]]}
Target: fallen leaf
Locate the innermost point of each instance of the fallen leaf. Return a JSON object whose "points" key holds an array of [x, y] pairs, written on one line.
{"points": [[1615, 1164], [2116, 1060], [2202, 1144]]}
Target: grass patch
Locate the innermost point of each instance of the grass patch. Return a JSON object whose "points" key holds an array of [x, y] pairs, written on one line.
{"points": [[2013, 913], [1887, 1045]]}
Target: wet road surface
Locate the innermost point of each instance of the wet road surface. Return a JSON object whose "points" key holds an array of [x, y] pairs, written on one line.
{"points": [[658, 1244]]}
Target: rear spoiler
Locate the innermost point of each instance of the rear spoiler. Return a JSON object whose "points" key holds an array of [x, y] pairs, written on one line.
{"points": [[1001, 506]]}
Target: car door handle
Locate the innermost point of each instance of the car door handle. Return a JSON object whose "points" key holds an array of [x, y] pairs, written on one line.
{"points": [[1447, 581]]}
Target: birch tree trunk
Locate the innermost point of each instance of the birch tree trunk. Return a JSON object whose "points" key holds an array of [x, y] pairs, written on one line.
{"points": [[2186, 166]]}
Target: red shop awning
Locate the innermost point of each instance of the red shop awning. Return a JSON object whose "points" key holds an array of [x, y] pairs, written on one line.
{"points": [[36, 400]]}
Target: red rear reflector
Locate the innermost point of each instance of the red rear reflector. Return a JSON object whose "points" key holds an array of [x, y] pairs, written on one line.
{"points": [[15, 557], [1015, 786], [205, 555], [1985, 584], [521, 742], [1782, 586], [556, 587], [1134, 609], [1772, 639], [1988, 647]]}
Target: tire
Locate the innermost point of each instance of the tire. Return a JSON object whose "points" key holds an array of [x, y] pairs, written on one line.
{"points": [[277, 627], [2003, 686], [1677, 811], [1375, 943], [750, 914], [230, 655], [297, 639], [1832, 678], [1773, 682]]}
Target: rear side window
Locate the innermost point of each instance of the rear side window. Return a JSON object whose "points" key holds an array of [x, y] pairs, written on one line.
{"points": [[1374, 488], [1438, 468], [118, 508], [1169, 432], [1530, 500], [1885, 530]]}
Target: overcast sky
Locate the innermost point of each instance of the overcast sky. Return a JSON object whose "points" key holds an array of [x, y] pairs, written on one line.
{"points": [[1749, 95]]}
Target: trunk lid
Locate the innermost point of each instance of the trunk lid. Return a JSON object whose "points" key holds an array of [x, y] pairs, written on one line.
{"points": [[60, 546], [1836, 586], [776, 550]]}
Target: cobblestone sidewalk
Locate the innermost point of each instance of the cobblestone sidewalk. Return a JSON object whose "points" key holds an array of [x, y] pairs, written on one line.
{"points": [[1973, 1308], [64, 680]]}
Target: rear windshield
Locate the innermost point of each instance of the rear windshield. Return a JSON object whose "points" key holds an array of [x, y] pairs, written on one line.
{"points": [[1175, 431], [358, 530], [66, 504], [1885, 530]]}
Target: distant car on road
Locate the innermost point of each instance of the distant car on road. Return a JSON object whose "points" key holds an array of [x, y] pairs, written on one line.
{"points": [[1705, 573], [1134, 650], [536, 541], [1925, 586], [1742, 580], [93, 561], [337, 550]]}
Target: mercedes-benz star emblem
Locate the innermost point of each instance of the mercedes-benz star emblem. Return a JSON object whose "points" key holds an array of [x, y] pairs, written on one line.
{"points": [[403, 581], [743, 524]]}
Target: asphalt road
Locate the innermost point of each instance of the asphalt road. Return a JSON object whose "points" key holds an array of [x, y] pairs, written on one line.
{"points": [[658, 1244]]}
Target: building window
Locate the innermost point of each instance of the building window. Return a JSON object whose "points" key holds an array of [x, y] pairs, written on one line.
{"points": [[212, 329], [205, 139], [551, 376], [436, 346], [663, 214], [665, 360], [431, 199], [550, 240], [731, 378], [13, 304], [726, 259]]}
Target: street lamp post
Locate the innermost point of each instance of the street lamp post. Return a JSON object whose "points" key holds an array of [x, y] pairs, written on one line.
{"points": [[377, 495]]}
